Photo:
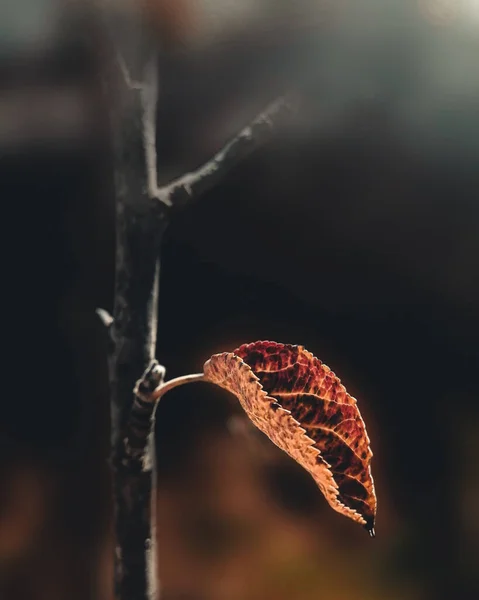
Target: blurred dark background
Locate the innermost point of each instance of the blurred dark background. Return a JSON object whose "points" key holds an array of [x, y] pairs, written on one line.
{"points": [[354, 233]]}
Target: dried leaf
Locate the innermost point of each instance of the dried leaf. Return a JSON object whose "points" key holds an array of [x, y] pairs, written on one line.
{"points": [[300, 404]]}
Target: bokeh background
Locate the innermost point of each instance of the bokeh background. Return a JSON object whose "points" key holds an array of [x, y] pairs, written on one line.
{"points": [[354, 233]]}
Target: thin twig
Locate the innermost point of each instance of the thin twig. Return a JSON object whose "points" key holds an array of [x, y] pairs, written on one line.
{"points": [[192, 185], [149, 98], [108, 11], [130, 83]]}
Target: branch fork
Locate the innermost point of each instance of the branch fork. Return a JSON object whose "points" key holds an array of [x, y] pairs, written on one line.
{"points": [[188, 187]]}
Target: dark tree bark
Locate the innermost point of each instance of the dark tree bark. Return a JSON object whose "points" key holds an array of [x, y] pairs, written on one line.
{"points": [[139, 230]]}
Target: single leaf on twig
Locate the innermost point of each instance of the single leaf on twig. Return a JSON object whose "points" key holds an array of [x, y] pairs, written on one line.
{"points": [[300, 404]]}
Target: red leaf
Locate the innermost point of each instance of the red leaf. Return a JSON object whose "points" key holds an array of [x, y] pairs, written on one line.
{"points": [[300, 404]]}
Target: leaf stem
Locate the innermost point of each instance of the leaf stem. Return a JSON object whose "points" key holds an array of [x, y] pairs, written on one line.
{"points": [[172, 383]]}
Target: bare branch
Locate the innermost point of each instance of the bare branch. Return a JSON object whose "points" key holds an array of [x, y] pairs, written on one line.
{"points": [[129, 36], [130, 83], [189, 187], [149, 98], [138, 238], [133, 326]]}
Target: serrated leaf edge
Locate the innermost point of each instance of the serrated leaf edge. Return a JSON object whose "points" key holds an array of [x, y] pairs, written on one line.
{"points": [[333, 486]]}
